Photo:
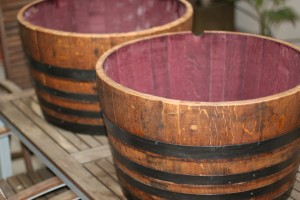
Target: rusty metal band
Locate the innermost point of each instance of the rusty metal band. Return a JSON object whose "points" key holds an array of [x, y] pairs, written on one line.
{"points": [[60, 72], [184, 196], [66, 95], [200, 152], [68, 111], [204, 180], [76, 127]]}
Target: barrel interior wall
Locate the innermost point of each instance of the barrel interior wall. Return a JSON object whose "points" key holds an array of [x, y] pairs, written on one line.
{"points": [[210, 68], [103, 16]]}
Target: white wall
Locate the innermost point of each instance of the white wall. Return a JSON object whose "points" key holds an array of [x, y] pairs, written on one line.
{"points": [[286, 31], [2, 73]]}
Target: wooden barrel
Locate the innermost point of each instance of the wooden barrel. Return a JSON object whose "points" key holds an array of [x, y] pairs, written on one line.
{"points": [[64, 39], [212, 117]]}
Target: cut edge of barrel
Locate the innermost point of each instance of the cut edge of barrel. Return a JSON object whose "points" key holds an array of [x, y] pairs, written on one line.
{"points": [[185, 18]]}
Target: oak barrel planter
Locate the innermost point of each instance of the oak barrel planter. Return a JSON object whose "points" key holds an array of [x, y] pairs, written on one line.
{"points": [[64, 39], [211, 117]]}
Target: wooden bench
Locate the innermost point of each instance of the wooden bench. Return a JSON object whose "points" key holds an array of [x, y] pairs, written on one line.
{"points": [[40, 185], [83, 162], [8, 87]]}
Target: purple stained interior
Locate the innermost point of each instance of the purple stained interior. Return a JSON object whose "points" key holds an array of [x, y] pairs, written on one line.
{"points": [[104, 16], [210, 68]]}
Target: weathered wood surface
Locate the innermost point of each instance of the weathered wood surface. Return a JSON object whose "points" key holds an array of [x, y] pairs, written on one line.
{"points": [[203, 117], [17, 187], [63, 54], [15, 62], [84, 159]]}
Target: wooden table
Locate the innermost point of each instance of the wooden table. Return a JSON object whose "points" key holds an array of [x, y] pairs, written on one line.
{"points": [[83, 162]]}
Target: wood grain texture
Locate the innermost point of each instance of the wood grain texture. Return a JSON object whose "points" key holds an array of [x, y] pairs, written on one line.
{"points": [[73, 35], [38, 188], [75, 150], [68, 195], [236, 120], [220, 94], [59, 155], [13, 53], [34, 183]]}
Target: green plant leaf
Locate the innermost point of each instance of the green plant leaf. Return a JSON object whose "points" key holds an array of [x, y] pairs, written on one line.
{"points": [[259, 3], [277, 16], [278, 2]]}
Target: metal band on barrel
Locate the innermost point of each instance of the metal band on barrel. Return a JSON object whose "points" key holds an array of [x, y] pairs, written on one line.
{"points": [[73, 74], [204, 180], [200, 152], [132, 197], [68, 111], [66, 95], [183, 196], [75, 127]]}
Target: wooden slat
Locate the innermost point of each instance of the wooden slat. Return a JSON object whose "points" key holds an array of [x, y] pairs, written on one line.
{"points": [[10, 86], [16, 75], [92, 154], [295, 194], [297, 186], [46, 174], [68, 195], [105, 178], [35, 177], [55, 135], [110, 159], [24, 93], [64, 163], [38, 188], [7, 189], [15, 184], [108, 167], [101, 138], [11, 25], [15, 5], [73, 138], [92, 142], [25, 181], [11, 42]]}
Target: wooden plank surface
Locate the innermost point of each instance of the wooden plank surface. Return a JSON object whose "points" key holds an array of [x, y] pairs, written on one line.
{"points": [[11, 43], [20, 115], [24, 181], [85, 160]]}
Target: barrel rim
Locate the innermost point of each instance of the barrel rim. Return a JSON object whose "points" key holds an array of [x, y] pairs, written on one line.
{"points": [[102, 75], [184, 18]]}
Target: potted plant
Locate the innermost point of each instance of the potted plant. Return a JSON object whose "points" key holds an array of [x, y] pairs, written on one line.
{"points": [[269, 14]]}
